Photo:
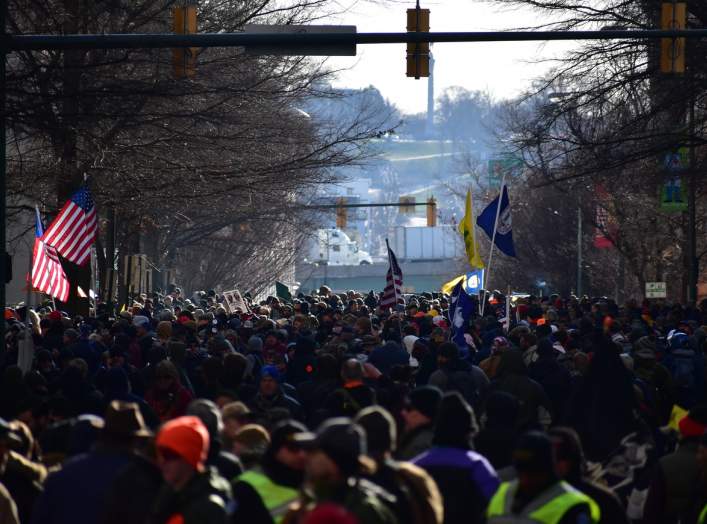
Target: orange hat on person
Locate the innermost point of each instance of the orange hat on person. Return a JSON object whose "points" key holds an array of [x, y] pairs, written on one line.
{"points": [[186, 437]]}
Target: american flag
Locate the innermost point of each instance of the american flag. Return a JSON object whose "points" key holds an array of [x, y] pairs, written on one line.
{"points": [[74, 228], [47, 274], [393, 292]]}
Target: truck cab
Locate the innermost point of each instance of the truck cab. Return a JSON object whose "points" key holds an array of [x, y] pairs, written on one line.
{"points": [[334, 247]]}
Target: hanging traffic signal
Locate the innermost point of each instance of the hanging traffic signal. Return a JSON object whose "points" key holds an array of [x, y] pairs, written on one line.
{"points": [[431, 212], [184, 23], [341, 213], [407, 205], [418, 53], [672, 50]]}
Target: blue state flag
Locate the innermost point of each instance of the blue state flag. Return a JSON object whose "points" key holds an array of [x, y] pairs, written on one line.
{"points": [[461, 309], [504, 230], [474, 282]]}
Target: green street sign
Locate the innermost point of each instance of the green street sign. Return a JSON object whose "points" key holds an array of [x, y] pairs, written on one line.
{"points": [[509, 165], [673, 198]]}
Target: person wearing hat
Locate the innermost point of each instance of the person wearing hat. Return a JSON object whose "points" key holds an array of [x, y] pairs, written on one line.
{"points": [[333, 475], [272, 396], [418, 414], [417, 499], [571, 467], [465, 478], [192, 492], [676, 475], [264, 493], [538, 495], [77, 493]]}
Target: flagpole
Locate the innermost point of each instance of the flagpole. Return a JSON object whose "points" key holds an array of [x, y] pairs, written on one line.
{"points": [[487, 273], [24, 360], [395, 288], [508, 310], [390, 268]]}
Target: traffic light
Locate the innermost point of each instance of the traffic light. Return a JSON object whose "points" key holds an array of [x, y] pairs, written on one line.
{"points": [[406, 207], [418, 54], [184, 23], [431, 212], [341, 213], [672, 50]]}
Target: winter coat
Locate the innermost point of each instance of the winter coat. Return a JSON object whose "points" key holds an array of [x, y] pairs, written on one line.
{"points": [[670, 494], [169, 404], [77, 493], [512, 378], [459, 376], [261, 406], [368, 503], [555, 380], [417, 499], [204, 500], [391, 354], [139, 482], [466, 480]]}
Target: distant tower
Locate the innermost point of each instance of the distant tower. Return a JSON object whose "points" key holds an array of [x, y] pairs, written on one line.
{"points": [[429, 125]]}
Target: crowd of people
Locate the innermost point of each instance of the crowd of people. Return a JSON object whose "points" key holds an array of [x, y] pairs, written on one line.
{"points": [[330, 409]]}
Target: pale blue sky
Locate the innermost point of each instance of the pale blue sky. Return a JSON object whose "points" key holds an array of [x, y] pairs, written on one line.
{"points": [[500, 68]]}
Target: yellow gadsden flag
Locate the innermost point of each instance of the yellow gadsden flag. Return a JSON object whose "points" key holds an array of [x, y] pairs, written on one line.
{"points": [[448, 287], [466, 228]]}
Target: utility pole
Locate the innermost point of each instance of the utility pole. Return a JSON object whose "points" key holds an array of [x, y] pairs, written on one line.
{"points": [[579, 251]]}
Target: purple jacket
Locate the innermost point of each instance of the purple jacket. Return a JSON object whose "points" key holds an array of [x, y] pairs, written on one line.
{"points": [[466, 479]]}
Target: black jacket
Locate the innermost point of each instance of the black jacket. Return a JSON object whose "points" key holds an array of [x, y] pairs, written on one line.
{"points": [[204, 500]]}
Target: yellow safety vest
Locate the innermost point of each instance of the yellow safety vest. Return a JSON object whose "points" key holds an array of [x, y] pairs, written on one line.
{"points": [[548, 508], [276, 498], [702, 519]]}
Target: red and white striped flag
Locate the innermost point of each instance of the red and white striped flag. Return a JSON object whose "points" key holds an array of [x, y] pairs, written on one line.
{"points": [[47, 274], [74, 229], [393, 292]]}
